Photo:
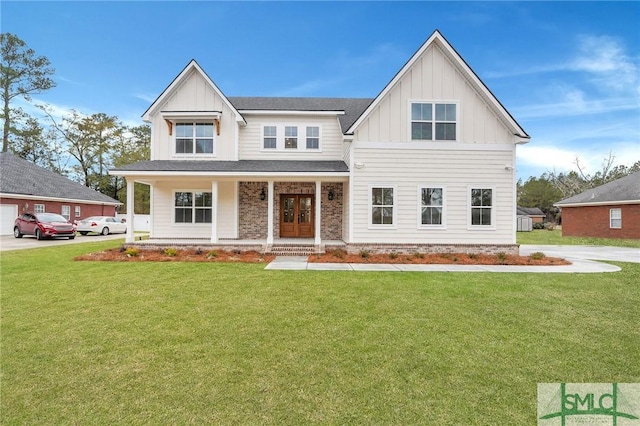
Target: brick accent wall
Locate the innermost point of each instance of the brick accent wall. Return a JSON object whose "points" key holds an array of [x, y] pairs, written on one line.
{"points": [[593, 221], [252, 220], [86, 210], [253, 211], [512, 249]]}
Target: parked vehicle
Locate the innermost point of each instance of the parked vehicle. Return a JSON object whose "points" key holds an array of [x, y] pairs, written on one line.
{"points": [[104, 225], [43, 225]]}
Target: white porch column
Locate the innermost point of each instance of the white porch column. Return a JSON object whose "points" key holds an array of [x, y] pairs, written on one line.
{"points": [[318, 210], [129, 238], [214, 212], [270, 214]]}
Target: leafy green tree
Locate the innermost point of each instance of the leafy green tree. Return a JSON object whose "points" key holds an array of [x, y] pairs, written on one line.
{"points": [[23, 74], [540, 193], [134, 147]]}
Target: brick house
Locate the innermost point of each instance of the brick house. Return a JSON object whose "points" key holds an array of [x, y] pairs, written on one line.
{"points": [[611, 210], [25, 186]]}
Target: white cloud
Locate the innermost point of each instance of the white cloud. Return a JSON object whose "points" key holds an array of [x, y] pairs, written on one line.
{"points": [[145, 97]]}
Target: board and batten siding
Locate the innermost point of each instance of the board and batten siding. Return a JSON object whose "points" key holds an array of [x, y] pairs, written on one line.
{"points": [[195, 94], [433, 77], [163, 210], [456, 170], [251, 138]]}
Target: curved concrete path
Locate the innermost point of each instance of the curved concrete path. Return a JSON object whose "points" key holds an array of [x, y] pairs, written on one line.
{"points": [[581, 258]]}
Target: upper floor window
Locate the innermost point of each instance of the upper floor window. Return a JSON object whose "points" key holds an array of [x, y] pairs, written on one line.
{"points": [[299, 138], [313, 137], [270, 137], [615, 218], [290, 137], [481, 206], [194, 138], [431, 206], [433, 121], [193, 207]]}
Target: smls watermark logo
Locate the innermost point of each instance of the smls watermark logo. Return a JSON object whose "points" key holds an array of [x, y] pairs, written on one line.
{"points": [[569, 404]]}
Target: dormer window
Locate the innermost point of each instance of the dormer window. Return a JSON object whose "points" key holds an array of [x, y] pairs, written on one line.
{"points": [[433, 121], [194, 138]]}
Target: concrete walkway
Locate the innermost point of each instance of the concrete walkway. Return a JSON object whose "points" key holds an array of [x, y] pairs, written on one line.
{"points": [[579, 256]]}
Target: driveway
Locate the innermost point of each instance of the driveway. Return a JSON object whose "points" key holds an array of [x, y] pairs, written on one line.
{"points": [[9, 242], [616, 254]]}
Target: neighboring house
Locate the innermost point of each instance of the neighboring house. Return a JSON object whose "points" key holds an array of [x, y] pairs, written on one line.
{"points": [[428, 164], [611, 210], [25, 186], [536, 215]]}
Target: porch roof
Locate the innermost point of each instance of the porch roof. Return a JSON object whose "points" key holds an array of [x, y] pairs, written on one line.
{"points": [[234, 167]]}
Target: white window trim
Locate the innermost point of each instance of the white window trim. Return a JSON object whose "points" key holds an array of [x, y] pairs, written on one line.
{"points": [[192, 224], [77, 211], [433, 129], [491, 227], [394, 218], [280, 136], [443, 225], [611, 218], [193, 154], [62, 209], [36, 210]]}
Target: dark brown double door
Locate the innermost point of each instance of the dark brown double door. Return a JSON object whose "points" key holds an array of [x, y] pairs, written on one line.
{"points": [[296, 216]]}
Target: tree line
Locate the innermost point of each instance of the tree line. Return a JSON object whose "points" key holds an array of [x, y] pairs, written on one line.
{"points": [[82, 147]]}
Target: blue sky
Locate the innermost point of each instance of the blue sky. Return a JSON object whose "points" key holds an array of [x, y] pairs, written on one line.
{"points": [[569, 72]]}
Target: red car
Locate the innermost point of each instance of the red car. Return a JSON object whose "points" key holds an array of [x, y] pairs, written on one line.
{"points": [[43, 225]]}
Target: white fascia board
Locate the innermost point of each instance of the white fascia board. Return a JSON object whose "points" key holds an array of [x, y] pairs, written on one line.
{"points": [[162, 175], [169, 115], [192, 65], [462, 65], [435, 146], [600, 203], [70, 200], [289, 112]]}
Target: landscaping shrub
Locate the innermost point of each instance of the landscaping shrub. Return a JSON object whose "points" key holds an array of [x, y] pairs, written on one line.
{"points": [[537, 255], [170, 251], [132, 251]]}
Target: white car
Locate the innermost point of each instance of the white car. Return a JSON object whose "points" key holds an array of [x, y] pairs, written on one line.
{"points": [[104, 225]]}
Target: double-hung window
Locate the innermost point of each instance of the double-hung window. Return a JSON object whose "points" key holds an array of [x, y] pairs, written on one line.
{"points": [[66, 212], [291, 137], [38, 208], [270, 137], [78, 211], [431, 206], [382, 205], [481, 207], [433, 121], [615, 218], [313, 137], [193, 207], [194, 138]]}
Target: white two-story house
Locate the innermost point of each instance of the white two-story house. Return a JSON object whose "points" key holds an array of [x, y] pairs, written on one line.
{"points": [[428, 164]]}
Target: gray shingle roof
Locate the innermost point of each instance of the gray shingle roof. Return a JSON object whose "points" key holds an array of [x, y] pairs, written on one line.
{"points": [[619, 190], [248, 166], [22, 177], [530, 211], [352, 107]]}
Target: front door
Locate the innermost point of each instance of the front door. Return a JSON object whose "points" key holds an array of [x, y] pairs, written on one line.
{"points": [[296, 216]]}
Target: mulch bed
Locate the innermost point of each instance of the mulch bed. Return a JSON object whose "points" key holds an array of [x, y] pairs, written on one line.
{"points": [[190, 255], [339, 256], [335, 256]]}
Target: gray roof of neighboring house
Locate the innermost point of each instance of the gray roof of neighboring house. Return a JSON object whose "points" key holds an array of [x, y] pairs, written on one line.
{"points": [[620, 190], [22, 177], [530, 211], [248, 166], [352, 107]]}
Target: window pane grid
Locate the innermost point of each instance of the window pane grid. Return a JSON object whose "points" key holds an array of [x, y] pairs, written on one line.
{"points": [[382, 206], [481, 206], [431, 206], [194, 138], [193, 207], [433, 121]]}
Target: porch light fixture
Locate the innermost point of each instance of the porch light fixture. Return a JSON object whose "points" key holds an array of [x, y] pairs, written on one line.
{"points": [[263, 195], [331, 195]]}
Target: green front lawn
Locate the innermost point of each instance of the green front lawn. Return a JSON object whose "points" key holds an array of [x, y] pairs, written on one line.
{"points": [[201, 343], [542, 236]]}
